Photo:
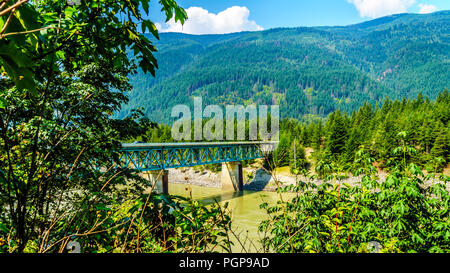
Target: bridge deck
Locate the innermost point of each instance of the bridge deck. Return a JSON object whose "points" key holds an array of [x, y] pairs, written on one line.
{"points": [[184, 144]]}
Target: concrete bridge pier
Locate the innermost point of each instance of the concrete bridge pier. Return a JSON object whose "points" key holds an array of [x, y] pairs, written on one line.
{"points": [[161, 178], [231, 178]]}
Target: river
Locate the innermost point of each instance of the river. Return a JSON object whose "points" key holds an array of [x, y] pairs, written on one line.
{"points": [[246, 213]]}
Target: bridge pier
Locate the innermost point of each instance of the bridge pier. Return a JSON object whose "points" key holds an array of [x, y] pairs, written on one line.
{"points": [[231, 178], [161, 178]]}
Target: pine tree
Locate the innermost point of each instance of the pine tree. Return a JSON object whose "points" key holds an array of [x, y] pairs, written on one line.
{"points": [[441, 145], [281, 154], [337, 133], [297, 156], [384, 139], [352, 144], [316, 138]]}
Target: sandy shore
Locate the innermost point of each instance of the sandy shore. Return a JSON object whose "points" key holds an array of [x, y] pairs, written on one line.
{"points": [[196, 177]]}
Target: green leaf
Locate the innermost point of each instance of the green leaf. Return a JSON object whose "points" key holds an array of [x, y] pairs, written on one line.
{"points": [[147, 24], [3, 228], [16, 64], [2, 103], [28, 17], [69, 11], [145, 6]]}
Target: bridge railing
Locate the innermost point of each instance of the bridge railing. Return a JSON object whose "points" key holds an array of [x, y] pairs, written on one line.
{"points": [[160, 156]]}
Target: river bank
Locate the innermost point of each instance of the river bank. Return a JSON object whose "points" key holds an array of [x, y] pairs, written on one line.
{"points": [[257, 179]]}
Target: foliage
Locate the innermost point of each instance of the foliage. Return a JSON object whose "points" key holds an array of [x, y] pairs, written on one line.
{"points": [[64, 73], [419, 123], [134, 223], [297, 157], [403, 213], [58, 30]]}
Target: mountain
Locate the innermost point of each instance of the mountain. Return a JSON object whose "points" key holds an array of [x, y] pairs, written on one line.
{"points": [[306, 70]]}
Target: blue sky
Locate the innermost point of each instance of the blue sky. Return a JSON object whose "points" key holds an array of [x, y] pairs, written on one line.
{"points": [[223, 16]]}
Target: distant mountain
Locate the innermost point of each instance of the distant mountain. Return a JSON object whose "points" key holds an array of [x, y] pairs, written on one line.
{"points": [[306, 70]]}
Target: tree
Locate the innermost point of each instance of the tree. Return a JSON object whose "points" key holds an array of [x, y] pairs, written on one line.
{"points": [[317, 135], [281, 153], [35, 32], [337, 133], [384, 137], [352, 144], [297, 156], [57, 126], [441, 147]]}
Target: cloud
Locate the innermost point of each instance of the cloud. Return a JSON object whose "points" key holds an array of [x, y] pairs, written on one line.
{"points": [[424, 8], [201, 21], [379, 8]]}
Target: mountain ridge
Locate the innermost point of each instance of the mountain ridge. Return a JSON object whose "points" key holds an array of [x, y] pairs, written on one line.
{"points": [[307, 70]]}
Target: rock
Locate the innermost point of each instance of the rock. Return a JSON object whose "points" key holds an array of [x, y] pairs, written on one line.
{"points": [[374, 247]]}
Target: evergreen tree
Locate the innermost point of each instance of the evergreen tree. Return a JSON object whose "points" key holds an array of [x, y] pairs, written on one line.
{"points": [[337, 133], [317, 134], [441, 145], [384, 138], [352, 144], [297, 156], [281, 154]]}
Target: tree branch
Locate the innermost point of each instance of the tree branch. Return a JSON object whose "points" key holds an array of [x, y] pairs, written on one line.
{"points": [[26, 32], [7, 22], [16, 5], [3, 3]]}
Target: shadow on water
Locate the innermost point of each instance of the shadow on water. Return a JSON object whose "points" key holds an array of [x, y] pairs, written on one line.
{"points": [[257, 185], [259, 182], [225, 196]]}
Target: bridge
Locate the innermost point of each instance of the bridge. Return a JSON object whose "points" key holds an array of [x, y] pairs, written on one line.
{"points": [[157, 158]]}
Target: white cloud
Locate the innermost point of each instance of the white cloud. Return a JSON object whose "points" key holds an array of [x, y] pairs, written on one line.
{"points": [[201, 21], [424, 8], [379, 8]]}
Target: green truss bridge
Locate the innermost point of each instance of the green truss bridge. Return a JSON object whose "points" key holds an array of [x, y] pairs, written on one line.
{"points": [[157, 158]]}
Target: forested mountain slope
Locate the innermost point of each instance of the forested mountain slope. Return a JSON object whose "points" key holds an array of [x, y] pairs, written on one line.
{"points": [[307, 70]]}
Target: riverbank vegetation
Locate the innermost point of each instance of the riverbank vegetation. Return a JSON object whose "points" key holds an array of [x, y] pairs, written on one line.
{"points": [[64, 70], [400, 214], [424, 125]]}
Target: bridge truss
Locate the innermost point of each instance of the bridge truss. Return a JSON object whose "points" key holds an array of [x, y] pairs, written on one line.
{"points": [[143, 157]]}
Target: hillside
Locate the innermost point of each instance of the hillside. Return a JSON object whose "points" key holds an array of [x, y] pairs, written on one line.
{"points": [[307, 70]]}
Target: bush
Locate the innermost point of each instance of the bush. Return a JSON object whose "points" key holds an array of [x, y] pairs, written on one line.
{"points": [[402, 214], [150, 223]]}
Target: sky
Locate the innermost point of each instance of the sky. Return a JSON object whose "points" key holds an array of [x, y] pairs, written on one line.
{"points": [[226, 16]]}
